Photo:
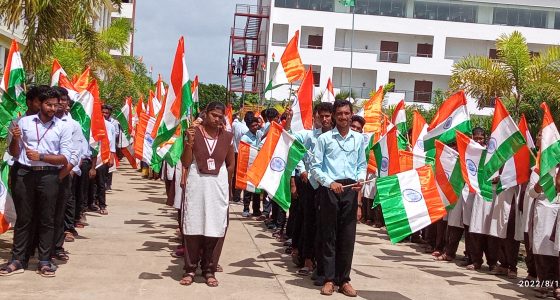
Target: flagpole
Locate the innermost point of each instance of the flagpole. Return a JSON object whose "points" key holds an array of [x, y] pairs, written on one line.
{"points": [[352, 49]]}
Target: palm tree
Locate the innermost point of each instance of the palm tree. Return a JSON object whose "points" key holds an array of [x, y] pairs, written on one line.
{"points": [[517, 75], [46, 21]]}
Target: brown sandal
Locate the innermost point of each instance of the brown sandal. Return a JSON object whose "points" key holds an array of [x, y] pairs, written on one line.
{"points": [[46, 270], [327, 289], [473, 267], [211, 280], [188, 279], [347, 290]]}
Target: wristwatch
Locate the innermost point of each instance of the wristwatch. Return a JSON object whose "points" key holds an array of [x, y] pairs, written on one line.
{"points": [[41, 156]]}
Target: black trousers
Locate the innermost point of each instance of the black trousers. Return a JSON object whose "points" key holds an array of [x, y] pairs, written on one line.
{"points": [[34, 195], [337, 223], [293, 214], [547, 267], [65, 191], [454, 235], [70, 214], [249, 197], [509, 247], [81, 188], [530, 257], [200, 249], [484, 244], [307, 196], [98, 188]]}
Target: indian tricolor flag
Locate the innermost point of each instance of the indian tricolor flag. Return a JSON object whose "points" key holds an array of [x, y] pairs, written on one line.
{"points": [[160, 89], [12, 89], [124, 117], [372, 113], [328, 94], [449, 179], [505, 140], [451, 117], [302, 106], [517, 169], [229, 117], [82, 82], [290, 68], [154, 106], [419, 130], [399, 118], [245, 158], [56, 71], [549, 155], [179, 98], [386, 153], [273, 167], [143, 141], [8, 215], [87, 112], [194, 89], [410, 201], [471, 158], [409, 160]]}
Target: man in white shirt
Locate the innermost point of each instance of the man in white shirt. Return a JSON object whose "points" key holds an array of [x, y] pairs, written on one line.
{"points": [[41, 145]]}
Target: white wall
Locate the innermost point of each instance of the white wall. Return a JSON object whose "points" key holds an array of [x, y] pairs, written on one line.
{"points": [[407, 43]]}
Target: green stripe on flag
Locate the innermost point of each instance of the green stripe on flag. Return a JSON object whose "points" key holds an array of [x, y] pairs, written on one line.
{"points": [[394, 212], [448, 136], [124, 123], [79, 114], [505, 151], [283, 194], [549, 188]]}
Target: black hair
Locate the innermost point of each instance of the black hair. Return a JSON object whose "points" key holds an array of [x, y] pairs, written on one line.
{"points": [[478, 130], [250, 119], [215, 105], [341, 103], [62, 91], [248, 115], [107, 106], [263, 115], [271, 113], [323, 107], [356, 118], [48, 93], [35, 91]]}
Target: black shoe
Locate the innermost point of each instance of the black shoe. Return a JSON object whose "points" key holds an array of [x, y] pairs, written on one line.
{"points": [[93, 208]]}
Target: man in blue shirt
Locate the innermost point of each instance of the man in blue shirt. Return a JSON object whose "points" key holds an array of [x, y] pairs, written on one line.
{"points": [[304, 239], [253, 138], [339, 165]]}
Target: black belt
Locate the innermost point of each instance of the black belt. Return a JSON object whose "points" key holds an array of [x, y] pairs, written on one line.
{"points": [[39, 168]]}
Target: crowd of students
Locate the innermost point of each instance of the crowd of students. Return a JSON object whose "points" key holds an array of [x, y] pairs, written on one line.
{"points": [[54, 179], [327, 193]]}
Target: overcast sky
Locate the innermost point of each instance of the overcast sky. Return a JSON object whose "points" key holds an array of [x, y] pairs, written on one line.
{"points": [[205, 25]]}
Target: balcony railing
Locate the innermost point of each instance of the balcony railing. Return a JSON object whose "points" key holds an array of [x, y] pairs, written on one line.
{"points": [[416, 96], [386, 56], [253, 10]]}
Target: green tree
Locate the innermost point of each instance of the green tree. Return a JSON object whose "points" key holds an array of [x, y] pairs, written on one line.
{"points": [[47, 21], [213, 92], [520, 79]]}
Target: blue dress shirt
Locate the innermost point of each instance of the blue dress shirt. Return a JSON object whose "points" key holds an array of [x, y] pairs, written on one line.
{"points": [[337, 157], [254, 139]]}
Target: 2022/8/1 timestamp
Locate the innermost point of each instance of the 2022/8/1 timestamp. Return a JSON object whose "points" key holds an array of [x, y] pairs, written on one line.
{"points": [[538, 283]]}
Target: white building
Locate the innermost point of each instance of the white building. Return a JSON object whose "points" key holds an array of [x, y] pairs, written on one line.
{"points": [[6, 37], [412, 43], [127, 12]]}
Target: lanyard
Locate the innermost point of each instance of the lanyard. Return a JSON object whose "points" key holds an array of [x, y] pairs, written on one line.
{"points": [[342, 148], [39, 139], [206, 138]]}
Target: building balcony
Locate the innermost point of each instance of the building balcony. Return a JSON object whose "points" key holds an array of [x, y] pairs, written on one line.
{"points": [[127, 11]]}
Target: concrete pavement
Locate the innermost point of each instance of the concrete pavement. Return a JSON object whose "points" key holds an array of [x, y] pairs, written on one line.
{"points": [[126, 255]]}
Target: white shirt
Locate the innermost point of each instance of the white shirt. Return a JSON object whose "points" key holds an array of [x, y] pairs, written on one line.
{"points": [[51, 138], [78, 139], [239, 129]]}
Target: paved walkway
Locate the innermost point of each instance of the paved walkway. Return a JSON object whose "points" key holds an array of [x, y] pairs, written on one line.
{"points": [[126, 255]]}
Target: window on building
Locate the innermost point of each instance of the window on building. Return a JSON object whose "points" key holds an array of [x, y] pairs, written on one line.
{"points": [[315, 41], [322, 5], [279, 34], [493, 54], [316, 77], [445, 11], [520, 17], [557, 20], [389, 51], [423, 91], [424, 50]]}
